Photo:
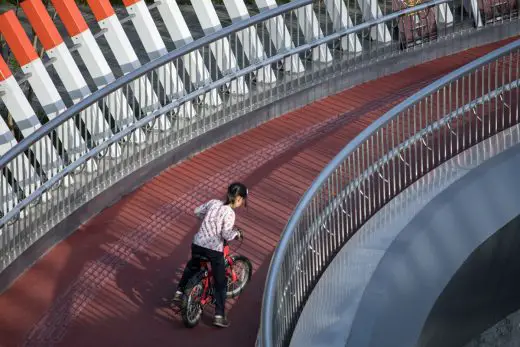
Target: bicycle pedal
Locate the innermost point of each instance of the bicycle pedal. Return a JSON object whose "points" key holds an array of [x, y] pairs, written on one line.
{"points": [[175, 308]]}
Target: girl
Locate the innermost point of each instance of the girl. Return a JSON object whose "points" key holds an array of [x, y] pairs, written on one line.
{"points": [[218, 219]]}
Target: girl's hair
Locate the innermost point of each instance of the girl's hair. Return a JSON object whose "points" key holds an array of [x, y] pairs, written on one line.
{"points": [[234, 190]]}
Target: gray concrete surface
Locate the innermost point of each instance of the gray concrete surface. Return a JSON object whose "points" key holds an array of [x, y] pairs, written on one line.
{"points": [[379, 289], [505, 333], [481, 293], [431, 248]]}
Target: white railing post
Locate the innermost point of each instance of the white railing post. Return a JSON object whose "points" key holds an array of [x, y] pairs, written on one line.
{"points": [[41, 83], [340, 16], [221, 49], [181, 35], [251, 43], [281, 37], [25, 118], [150, 37], [68, 71]]}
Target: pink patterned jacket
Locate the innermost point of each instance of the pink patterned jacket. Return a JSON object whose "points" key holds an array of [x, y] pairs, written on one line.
{"points": [[217, 225]]}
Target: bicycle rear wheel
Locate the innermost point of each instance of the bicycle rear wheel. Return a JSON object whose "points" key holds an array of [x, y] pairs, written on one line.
{"points": [[191, 310], [243, 270]]}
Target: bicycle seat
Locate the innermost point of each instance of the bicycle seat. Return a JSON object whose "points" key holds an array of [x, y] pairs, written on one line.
{"points": [[203, 258]]}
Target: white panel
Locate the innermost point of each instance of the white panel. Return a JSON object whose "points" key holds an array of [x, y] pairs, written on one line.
{"points": [[50, 99], [444, 14], [128, 61], [102, 75], [472, 6], [154, 46], [77, 88], [20, 167], [280, 37], [93, 58], [221, 49], [253, 47], [371, 10], [180, 34], [339, 14], [312, 31], [27, 122]]}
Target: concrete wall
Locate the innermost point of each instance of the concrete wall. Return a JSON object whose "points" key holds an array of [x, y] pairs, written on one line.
{"points": [[380, 288], [480, 294], [431, 248], [505, 333]]}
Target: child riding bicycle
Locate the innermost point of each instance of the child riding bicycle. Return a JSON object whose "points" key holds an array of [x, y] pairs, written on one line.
{"points": [[218, 219]]}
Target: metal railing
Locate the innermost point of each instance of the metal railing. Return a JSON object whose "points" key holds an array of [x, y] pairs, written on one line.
{"points": [[164, 113], [435, 124]]}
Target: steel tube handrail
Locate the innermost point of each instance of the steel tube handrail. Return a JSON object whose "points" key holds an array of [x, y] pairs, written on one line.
{"points": [[172, 58], [191, 47], [150, 66], [307, 46], [393, 153], [278, 256], [178, 102]]}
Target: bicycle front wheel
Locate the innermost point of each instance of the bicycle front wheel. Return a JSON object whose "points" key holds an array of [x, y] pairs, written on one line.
{"points": [[242, 270]]}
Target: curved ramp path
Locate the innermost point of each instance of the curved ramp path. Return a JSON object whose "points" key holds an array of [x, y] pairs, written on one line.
{"points": [[107, 284]]}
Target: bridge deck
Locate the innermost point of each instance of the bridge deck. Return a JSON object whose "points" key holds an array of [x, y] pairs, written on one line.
{"points": [[109, 281]]}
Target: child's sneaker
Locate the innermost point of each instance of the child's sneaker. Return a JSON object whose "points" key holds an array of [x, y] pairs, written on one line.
{"points": [[177, 298], [220, 321]]}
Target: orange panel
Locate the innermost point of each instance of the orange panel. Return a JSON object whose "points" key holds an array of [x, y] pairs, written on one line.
{"points": [[130, 2], [16, 38], [42, 23], [101, 8], [70, 16], [4, 70]]}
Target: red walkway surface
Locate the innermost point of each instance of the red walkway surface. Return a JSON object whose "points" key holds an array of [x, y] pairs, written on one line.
{"points": [[107, 284]]}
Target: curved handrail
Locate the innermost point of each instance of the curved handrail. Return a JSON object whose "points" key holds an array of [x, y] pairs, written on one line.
{"points": [[185, 123], [349, 149], [316, 43], [193, 46], [150, 66], [42, 131]]}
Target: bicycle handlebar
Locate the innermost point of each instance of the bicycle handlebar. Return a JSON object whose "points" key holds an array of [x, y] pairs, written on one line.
{"points": [[240, 233]]}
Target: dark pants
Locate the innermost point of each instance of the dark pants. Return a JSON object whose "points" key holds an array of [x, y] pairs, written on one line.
{"points": [[219, 274]]}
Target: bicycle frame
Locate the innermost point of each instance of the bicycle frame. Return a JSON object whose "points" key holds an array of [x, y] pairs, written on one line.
{"points": [[207, 280]]}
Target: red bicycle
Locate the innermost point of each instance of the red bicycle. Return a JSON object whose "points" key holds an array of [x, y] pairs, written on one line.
{"points": [[200, 288]]}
